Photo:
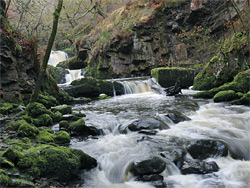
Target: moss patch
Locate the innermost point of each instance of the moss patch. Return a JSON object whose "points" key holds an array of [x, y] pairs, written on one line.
{"points": [[225, 96], [26, 130]]}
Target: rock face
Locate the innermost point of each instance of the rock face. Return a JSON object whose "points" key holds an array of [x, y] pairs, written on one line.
{"points": [[154, 42], [18, 61]]}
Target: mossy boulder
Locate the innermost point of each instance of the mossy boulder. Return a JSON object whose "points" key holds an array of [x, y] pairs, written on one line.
{"points": [[5, 180], [4, 163], [47, 101], [168, 76], [78, 126], [54, 162], [57, 116], [14, 125], [244, 100], [12, 154], [6, 108], [243, 78], [36, 109], [64, 124], [43, 120], [225, 96], [45, 136], [27, 130], [62, 137], [64, 109]]}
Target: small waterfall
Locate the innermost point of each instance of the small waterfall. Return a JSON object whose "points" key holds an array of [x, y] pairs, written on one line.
{"points": [[142, 86], [57, 57], [74, 75]]}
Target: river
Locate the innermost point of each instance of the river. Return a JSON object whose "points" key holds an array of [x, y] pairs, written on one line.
{"points": [[115, 152]]}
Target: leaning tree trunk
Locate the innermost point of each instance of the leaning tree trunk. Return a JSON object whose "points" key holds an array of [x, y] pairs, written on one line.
{"points": [[41, 75]]}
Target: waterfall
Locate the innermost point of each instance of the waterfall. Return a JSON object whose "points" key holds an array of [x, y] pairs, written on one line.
{"points": [[142, 86], [74, 75], [57, 57]]}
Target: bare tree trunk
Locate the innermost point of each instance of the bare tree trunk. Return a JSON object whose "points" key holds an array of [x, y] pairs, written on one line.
{"points": [[41, 75]]}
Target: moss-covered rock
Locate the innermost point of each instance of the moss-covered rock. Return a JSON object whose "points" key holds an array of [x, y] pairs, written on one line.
{"points": [[4, 163], [62, 137], [64, 109], [6, 108], [43, 120], [57, 117], [77, 126], [87, 162], [64, 124], [243, 79], [36, 109], [47, 101], [52, 162], [12, 154], [45, 136], [225, 96], [205, 94], [167, 77], [4, 179], [14, 125], [244, 100], [27, 130]]}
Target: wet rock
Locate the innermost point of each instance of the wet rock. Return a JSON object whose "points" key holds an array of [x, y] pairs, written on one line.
{"points": [[148, 124], [203, 149], [78, 128], [175, 154], [177, 117], [154, 165], [155, 179], [198, 167], [64, 125]]}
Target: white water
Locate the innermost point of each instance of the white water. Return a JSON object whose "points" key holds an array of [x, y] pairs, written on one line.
{"points": [[115, 152], [59, 56]]}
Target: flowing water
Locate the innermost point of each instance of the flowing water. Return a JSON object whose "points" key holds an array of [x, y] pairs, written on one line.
{"points": [[115, 152], [59, 56]]}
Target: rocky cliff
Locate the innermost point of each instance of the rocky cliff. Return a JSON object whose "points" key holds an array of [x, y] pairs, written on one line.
{"points": [[18, 60], [166, 33]]}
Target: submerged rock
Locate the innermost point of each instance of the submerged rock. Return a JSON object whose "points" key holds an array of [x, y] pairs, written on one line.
{"points": [[203, 149], [177, 117]]}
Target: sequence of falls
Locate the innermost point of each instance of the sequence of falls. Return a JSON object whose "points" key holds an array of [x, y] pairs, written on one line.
{"points": [[59, 56], [115, 152]]}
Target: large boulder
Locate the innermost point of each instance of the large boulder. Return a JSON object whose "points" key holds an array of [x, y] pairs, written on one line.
{"points": [[92, 88], [168, 76]]}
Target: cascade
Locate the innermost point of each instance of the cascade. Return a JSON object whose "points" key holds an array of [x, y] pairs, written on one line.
{"points": [[57, 57], [141, 85]]}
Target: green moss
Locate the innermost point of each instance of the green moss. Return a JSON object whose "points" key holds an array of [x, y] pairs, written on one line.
{"points": [[63, 125], [36, 109], [43, 120], [62, 137], [47, 101], [243, 78], [45, 136], [26, 130], [6, 108], [244, 100], [12, 154], [4, 178], [204, 94], [65, 109], [4, 163], [14, 125], [57, 116], [77, 126], [214, 60], [225, 96], [104, 96], [87, 162]]}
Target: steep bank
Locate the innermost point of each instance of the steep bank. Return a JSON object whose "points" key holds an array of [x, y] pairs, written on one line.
{"points": [[145, 35]]}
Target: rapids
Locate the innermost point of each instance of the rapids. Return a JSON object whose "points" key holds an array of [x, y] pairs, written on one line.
{"points": [[115, 152]]}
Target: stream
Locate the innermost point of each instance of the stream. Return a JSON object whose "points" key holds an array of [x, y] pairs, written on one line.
{"points": [[115, 152]]}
